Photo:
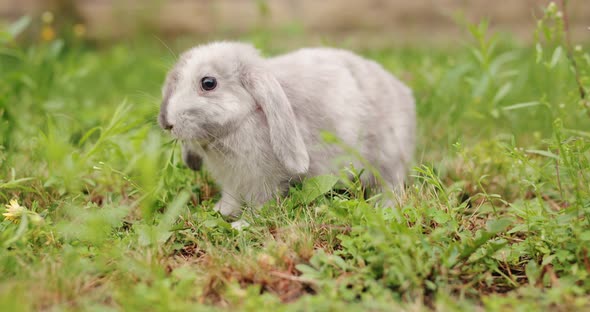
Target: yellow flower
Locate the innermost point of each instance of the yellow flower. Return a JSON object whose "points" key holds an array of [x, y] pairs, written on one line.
{"points": [[47, 17], [47, 33], [79, 30], [14, 211]]}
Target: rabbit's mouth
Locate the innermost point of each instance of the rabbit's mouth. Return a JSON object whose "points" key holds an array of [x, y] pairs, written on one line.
{"points": [[196, 129], [202, 137], [206, 131], [204, 144]]}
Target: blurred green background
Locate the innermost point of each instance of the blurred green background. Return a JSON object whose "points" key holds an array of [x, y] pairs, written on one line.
{"points": [[367, 22]]}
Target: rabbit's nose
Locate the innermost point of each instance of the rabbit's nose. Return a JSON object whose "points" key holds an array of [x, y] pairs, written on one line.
{"points": [[164, 123]]}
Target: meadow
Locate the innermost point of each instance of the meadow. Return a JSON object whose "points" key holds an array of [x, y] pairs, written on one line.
{"points": [[99, 213]]}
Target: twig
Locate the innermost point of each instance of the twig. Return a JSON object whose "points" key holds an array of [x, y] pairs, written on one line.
{"points": [[294, 278], [557, 173], [570, 54]]}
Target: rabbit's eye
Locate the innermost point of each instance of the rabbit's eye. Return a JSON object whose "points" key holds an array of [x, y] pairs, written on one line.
{"points": [[208, 83]]}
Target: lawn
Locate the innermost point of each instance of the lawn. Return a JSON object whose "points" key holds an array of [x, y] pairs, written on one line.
{"points": [[101, 214]]}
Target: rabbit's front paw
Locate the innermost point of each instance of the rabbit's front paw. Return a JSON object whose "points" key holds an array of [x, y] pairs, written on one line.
{"points": [[228, 206], [240, 224]]}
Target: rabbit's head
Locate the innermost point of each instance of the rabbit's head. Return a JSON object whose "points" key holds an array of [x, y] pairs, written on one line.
{"points": [[214, 88]]}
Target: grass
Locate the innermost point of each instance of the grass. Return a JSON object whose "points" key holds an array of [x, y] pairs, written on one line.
{"points": [[496, 216]]}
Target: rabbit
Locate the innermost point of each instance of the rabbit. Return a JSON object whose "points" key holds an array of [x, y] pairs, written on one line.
{"points": [[256, 123]]}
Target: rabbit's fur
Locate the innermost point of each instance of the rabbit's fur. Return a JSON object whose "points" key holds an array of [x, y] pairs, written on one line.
{"points": [[260, 128]]}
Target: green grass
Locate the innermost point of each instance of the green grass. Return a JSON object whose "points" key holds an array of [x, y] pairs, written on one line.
{"points": [[496, 216]]}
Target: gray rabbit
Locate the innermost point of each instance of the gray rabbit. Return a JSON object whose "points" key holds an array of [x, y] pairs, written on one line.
{"points": [[256, 123]]}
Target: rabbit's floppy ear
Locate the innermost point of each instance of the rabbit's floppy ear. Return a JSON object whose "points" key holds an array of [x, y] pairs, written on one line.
{"points": [[285, 137]]}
